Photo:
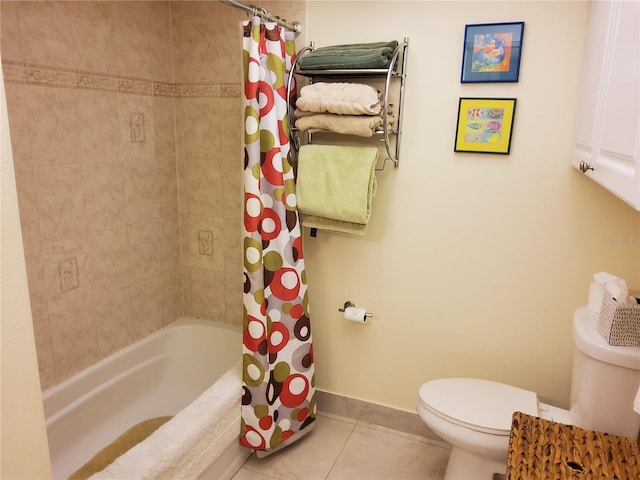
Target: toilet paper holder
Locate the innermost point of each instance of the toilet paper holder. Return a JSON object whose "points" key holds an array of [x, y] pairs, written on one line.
{"points": [[348, 304]]}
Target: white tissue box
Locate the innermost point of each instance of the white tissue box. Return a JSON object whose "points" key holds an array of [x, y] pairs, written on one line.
{"points": [[619, 325]]}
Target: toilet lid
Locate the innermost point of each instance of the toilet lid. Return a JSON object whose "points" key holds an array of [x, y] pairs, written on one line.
{"points": [[479, 405]]}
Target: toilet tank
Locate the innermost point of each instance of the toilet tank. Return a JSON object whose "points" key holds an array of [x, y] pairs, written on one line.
{"points": [[604, 382]]}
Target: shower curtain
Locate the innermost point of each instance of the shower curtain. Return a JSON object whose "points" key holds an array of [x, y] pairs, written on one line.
{"points": [[278, 401]]}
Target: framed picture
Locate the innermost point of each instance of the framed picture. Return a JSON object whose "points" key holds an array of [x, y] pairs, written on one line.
{"points": [[485, 125], [492, 52]]}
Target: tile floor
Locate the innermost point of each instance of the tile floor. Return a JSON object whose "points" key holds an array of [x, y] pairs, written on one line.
{"points": [[344, 449]]}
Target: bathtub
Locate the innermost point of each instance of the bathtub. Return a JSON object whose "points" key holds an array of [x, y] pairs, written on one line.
{"points": [[161, 374]]}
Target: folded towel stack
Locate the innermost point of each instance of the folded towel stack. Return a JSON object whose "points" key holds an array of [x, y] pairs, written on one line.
{"points": [[347, 108], [335, 187], [351, 56], [363, 125], [349, 100], [340, 98]]}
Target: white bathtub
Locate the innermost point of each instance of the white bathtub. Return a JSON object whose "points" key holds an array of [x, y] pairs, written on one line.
{"points": [[159, 375]]}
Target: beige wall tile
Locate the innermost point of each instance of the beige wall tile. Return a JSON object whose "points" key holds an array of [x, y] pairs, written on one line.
{"points": [[179, 127], [53, 125], [233, 249], [196, 9], [195, 48], [93, 29], [227, 40], [60, 202], [98, 126], [107, 267], [150, 192], [185, 277], [232, 157], [207, 42], [231, 110], [183, 192], [18, 125], [203, 242], [136, 127], [73, 338], [114, 321], [232, 192], [44, 348], [66, 276], [203, 188], [201, 128], [150, 304], [207, 294], [154, 248], [173, 296], [145, 249], [10, 31], [45, 35], [160, 41], [164, 131], [37, 285], [104, 196], [233, 296], [27, 190], [132, 39]]}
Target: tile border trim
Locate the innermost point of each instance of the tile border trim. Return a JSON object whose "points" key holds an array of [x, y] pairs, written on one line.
{"points": [[31, 74]]}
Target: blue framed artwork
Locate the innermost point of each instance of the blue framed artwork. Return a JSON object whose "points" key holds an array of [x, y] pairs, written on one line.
{"points": [[492, 52]]}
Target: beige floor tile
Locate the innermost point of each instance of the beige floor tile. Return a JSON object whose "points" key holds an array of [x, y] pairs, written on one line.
{"points": [[311, 458], [246, 474], [376, 454], [404, 434]]}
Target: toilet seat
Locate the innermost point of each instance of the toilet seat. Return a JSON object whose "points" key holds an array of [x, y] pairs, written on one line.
{"points": [[479, 405]]}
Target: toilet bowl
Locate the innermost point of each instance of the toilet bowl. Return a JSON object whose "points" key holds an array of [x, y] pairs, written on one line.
{"points": [[474, 415]]}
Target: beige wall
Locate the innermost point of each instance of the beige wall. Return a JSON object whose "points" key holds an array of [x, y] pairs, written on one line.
{"points": [[23, 436], [473, 264]]}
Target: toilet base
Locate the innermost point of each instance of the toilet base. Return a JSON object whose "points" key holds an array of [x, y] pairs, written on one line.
{"points": [[465, 466]]}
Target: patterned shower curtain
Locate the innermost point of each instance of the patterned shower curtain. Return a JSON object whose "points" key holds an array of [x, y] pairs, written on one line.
{"points": [[278, 402]]}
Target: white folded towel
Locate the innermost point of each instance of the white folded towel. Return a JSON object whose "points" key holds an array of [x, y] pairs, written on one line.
{"points": [[190, 442], [340, 98], [360, 125]]}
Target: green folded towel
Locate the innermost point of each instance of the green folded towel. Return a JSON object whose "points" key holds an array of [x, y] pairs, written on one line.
{"points": [[359, 46], [355, 55], [335, 187]]}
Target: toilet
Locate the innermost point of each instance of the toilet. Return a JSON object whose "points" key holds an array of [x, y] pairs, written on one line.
{"points": [[474, 415]]}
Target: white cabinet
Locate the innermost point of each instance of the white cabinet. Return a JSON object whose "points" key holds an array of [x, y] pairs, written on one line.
{"points": [[607, 137]]}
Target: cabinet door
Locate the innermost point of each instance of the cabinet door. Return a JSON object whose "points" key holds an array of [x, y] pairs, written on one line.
{"points": [[608, 124], [616, 161], [591, 81]]}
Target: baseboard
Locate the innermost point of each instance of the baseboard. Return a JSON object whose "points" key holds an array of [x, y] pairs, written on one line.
{"points": [[382, 415]]}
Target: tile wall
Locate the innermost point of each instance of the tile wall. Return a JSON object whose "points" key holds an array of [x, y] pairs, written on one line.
{"points": [[125, 122]]}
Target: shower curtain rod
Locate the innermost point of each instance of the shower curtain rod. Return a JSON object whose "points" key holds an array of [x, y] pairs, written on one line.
{"points": [[295, 27]]}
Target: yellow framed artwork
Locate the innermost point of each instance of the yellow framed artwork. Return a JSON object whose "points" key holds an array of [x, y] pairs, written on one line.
{"points": [[485, 125]]}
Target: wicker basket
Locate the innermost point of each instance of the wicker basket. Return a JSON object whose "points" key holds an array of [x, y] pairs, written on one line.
{"points": [[540, 449], [619, 325]]}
